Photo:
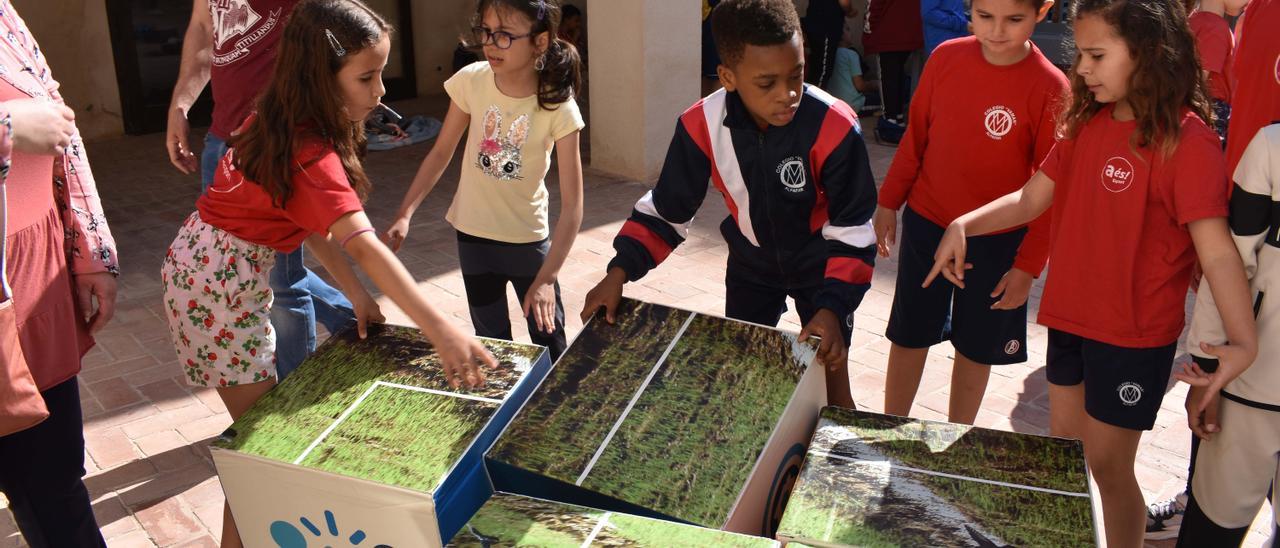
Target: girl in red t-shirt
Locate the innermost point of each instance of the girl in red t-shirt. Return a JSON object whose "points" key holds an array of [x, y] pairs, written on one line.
{"points": [[293, 176], [1214, 45], [1138, 194]]}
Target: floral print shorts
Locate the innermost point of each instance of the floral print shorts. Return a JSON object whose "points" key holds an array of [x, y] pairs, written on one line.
{"points": [[218, 304]]}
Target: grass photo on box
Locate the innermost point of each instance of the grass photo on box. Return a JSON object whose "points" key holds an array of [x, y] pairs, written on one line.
{"points": [[693, 438], [385, 435], [879, 480]]}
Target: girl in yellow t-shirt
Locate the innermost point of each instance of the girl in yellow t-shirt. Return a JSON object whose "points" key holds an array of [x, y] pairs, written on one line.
{"points": [[518, 104]]}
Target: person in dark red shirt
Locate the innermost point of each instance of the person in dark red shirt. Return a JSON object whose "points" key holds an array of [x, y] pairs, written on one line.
{"points": [[894, 30], [981, 121], [1138, 195]]}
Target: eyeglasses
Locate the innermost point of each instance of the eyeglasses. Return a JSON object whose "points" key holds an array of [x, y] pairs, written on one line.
{"points": [[501, 39]]}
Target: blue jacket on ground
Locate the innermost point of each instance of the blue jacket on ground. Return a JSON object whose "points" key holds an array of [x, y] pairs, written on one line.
{"points": [[943, 20]]}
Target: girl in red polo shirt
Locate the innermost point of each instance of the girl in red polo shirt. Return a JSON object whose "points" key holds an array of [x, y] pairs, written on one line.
{"points": [[293, 176], [1138, 194], [981, 121]]}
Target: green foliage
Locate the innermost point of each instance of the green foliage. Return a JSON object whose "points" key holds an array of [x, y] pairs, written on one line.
{"points": [[292, 415], [561, 425], [693, 437], [402, 437]]}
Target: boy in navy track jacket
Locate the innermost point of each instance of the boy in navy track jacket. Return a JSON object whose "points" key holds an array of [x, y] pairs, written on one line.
{"points": [[792, 167]]}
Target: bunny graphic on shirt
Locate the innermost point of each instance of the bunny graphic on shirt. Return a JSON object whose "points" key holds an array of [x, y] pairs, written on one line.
{"points": [[500, 157]]}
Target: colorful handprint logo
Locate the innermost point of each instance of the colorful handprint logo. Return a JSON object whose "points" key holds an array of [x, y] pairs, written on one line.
{"points": [[287, 534]]}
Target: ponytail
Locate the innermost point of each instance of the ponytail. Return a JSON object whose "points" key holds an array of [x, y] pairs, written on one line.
{"points": [[561, 74]]}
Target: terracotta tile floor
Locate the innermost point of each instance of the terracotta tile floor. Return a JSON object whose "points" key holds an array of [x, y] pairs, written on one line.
{"points": [[150, 474]]}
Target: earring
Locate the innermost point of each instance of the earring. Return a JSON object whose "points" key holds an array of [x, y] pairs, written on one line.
{"points": [[540, 63]]}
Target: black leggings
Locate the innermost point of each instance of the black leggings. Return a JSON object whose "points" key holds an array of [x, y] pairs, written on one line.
{"points": [[893, 81], [42, 471], [487, 267], [822, 60]]}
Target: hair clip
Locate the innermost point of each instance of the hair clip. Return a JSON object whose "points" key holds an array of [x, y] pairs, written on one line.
{"points": [[333, 42], [542, 9]]}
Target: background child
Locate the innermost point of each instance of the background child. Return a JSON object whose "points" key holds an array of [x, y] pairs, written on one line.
{"points": [[847, 82], [1138, 194], [981, 122], [791, 164], [519, 106], [942, 20], [1214, 43], [1237, 461], [280, 185]]}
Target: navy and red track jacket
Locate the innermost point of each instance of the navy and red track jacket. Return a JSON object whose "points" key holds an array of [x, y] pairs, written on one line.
{"points": [[800, 197]]}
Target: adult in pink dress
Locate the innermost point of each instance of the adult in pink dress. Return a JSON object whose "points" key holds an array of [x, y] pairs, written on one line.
{"points": [[61, 264]]}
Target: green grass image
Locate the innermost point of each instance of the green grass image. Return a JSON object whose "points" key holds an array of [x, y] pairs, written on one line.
{"points": [[688, 446], [402, 437], [289, 418], [1038, 461], [879, 503], [573, 410], [628, 530], [511, 520]]}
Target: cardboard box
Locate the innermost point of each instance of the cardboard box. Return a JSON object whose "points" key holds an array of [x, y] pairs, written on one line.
{"points": [[668, 414], [872, 479], [366, 440], [514, 520]]}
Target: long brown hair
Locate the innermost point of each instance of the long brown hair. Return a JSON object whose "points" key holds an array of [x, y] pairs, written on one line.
{"points": [[303, 100], [561, 72], [1166, 77]]}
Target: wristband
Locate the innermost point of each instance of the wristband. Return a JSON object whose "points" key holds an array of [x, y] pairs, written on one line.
{"points": [[355, 233]]}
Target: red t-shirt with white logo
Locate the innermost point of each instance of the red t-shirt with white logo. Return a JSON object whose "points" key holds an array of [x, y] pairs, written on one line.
{"points": [[977, 132], [321, 194], [1255, 77], [245, 34], [1214, 43], [1121, 254]]}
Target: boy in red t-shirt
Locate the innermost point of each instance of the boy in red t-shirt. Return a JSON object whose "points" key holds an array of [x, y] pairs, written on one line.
{"points": [[1254, 76], [981, 121]]}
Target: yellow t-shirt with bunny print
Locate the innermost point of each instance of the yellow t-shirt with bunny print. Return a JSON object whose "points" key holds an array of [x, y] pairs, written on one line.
{"points": [[502, 195]]}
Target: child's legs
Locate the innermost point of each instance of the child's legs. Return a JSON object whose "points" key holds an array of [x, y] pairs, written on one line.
{"points": [[524, 262], [1110, 452], [893, 81], [1234, 470], [486, 285], [238, 399], [920, 317], [984, 337], [1123, 389]]}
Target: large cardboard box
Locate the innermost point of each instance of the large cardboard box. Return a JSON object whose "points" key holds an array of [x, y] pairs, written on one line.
{"points": [[668, 414], [880, 480], [366, 440], [514, 520]]}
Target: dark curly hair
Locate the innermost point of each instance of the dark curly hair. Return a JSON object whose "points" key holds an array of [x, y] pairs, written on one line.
{"points": [[1166, 77], [562, 72], [737, 23]]}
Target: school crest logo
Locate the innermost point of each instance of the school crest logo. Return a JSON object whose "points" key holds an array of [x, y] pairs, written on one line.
{"points": [[1130, 393], [1117, 174], [1012, 347], [999, 121], [791, 173], [237, 20]]}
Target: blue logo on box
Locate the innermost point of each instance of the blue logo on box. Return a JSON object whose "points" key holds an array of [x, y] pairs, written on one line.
{"points": [[287, 535]]}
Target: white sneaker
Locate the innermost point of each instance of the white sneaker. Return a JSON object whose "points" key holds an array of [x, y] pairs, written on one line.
{"points": [[1165, 517]]}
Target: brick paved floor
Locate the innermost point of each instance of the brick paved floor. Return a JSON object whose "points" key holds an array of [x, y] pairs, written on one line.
{"points": [[149, 470]]}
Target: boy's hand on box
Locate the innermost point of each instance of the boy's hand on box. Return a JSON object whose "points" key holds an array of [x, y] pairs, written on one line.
{"points": [[832, 351], [607, 294]]}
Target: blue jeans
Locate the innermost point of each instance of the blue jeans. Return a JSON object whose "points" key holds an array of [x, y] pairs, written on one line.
{"points": [[301, 297]]}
